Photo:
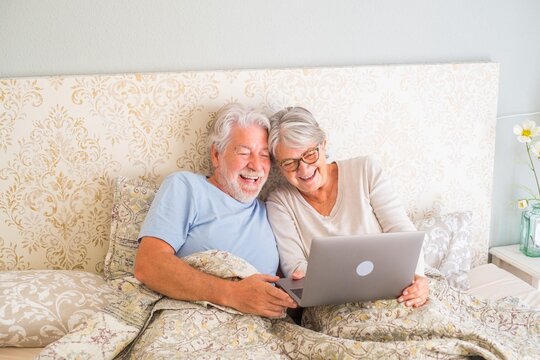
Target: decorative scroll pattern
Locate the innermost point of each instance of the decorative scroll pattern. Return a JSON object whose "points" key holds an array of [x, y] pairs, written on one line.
{"points": [[452, 325], [40, 306], [64, 139]]}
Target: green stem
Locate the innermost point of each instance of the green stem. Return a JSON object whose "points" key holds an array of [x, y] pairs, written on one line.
{"points": [[533, 169]]}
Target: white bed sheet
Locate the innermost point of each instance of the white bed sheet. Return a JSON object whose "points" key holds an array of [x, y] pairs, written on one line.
{"points": [[492, 282], [487, 281]]}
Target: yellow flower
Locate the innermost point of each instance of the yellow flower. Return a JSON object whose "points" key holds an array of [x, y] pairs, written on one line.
{"points": [[526, 131]]}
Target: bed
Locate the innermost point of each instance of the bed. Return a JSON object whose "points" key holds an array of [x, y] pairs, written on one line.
{"points": [[81, 157]]}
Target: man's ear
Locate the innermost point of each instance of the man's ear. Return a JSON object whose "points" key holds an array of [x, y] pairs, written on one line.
{"points": [[214, 155]]}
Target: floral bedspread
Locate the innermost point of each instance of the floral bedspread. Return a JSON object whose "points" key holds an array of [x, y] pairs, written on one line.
{"points": [[141, 324]]}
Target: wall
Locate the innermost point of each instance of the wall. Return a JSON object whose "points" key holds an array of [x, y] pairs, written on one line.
{"points": [[46, 37]]}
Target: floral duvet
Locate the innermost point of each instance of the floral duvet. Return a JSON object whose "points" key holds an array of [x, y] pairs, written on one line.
{"points": [[141, 324]]}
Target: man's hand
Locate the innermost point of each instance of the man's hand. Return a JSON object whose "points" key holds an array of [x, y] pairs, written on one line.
{"points": [[256, 295], [417, 293], [253, 295]]}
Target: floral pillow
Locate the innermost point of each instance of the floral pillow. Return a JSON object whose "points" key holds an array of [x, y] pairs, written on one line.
{"points": [[132, 199], [447, 245], [38, 307]]}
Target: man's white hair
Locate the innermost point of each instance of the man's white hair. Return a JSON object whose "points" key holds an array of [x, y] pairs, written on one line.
{"points": [[234, 114]]}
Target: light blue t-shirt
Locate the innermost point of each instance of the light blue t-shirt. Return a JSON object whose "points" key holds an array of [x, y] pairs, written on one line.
{"points": [[192, 215]]}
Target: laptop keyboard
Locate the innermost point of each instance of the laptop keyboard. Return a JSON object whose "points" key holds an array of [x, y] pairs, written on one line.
{"points": [[298, 292]]}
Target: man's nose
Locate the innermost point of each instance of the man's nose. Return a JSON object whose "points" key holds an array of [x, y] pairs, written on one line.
{"points": [[257, 161]]}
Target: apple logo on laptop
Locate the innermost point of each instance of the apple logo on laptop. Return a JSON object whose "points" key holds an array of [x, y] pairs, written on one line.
{"points": [[364, 268]]}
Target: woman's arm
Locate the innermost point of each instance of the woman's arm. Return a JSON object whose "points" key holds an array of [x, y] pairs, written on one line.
{"points": [[387, 206], [292, 251], [392, 217]]}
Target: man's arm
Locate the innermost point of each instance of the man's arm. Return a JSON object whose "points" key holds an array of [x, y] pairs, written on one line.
{"points": [[157, 266]]}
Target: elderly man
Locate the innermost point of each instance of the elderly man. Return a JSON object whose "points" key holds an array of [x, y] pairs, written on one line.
{"points": [[193, 213]]}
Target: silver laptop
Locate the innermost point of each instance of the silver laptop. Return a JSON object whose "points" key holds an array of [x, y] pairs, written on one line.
{"points": [[354, 268]]}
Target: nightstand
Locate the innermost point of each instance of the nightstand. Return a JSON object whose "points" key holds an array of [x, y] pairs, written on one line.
{"points": [[511, 259]]}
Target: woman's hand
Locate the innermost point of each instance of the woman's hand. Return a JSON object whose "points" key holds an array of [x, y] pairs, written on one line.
{"points": [[297, 275], [417, 293]]}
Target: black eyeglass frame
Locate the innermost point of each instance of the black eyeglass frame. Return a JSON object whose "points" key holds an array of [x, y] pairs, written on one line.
{"points": [[296, 161]]}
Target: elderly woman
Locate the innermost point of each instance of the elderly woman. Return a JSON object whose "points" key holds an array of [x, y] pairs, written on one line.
{"points": [[322, 199]]}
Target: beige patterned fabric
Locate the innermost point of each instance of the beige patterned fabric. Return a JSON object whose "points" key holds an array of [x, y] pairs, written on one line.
{"points": [[447, 245], [142, 325], [131, 201], [451, 324], [63, 141], [38, 307]]}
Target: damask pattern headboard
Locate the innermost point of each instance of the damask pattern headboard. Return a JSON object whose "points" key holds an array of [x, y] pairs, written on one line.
{"points": [[63, 140]]}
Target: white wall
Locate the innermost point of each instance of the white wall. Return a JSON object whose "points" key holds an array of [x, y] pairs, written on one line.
{"points": [[49, 37]]}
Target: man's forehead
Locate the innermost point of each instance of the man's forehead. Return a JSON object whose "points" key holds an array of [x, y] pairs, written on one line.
{"points": [[249, 148], [251, 137]]}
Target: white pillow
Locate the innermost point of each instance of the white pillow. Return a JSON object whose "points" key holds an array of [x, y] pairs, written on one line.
{"points": [[447, 245], [38, 307]]}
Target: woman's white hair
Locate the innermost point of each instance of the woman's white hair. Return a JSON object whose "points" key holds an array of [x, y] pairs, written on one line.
{"points": [[294, 127], [233, 114]]}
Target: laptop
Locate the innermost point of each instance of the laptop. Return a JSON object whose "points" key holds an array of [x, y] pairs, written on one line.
{"points": [[355, 268]]}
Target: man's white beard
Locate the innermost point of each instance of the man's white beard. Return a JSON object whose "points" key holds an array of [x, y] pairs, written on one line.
{"points": [[232, 186]]}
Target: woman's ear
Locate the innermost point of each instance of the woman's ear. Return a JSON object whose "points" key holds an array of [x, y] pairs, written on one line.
{"points": [[325, 147]]}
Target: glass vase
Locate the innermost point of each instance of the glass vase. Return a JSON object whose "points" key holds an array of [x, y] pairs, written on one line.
{"points": [[530, 231]]}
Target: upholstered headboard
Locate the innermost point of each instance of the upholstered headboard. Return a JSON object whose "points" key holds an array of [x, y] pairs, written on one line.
{"points": [[63, 140]]}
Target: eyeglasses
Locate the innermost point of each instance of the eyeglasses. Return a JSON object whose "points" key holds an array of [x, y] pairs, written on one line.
{"points": [[309, 157]]}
